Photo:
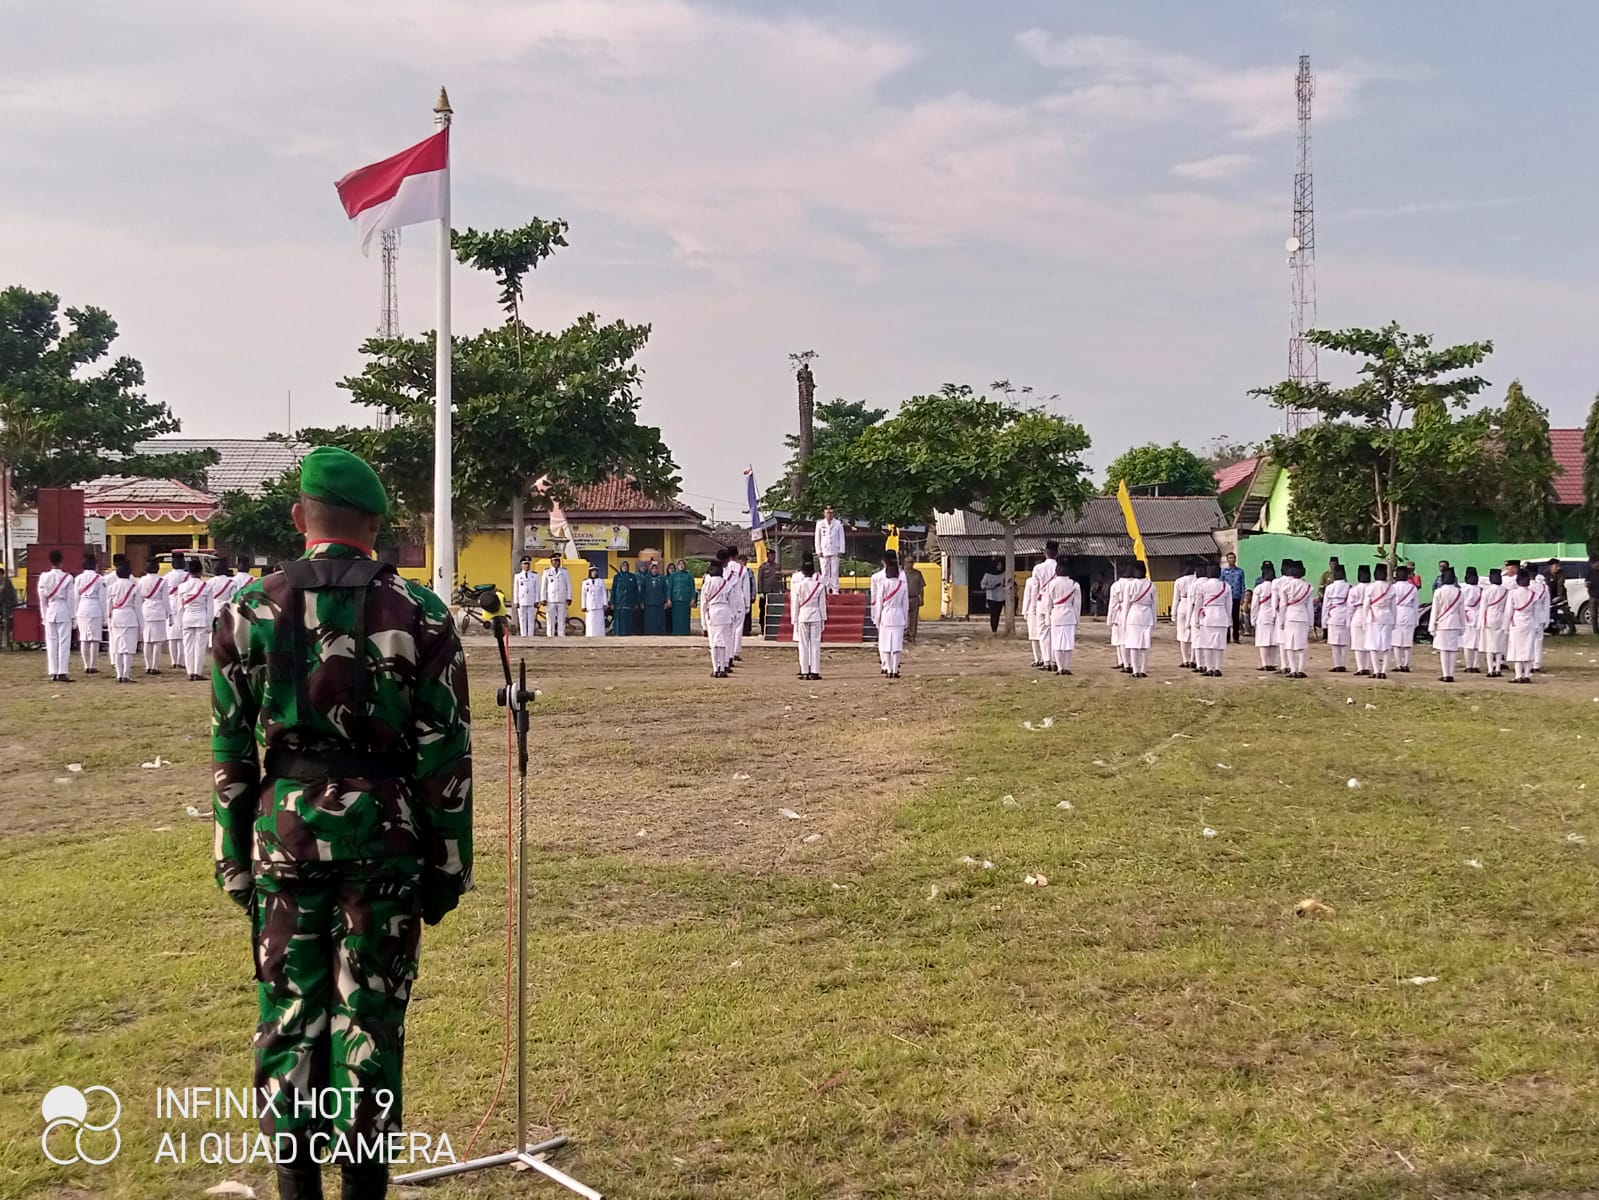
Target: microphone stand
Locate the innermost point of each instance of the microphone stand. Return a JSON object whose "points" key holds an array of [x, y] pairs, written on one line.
{"points": [[515, 697]]}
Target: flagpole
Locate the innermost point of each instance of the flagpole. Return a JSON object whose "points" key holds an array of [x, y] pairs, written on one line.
{"points": [[443, 519]]}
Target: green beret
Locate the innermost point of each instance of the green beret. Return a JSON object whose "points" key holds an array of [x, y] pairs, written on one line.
{"points": [[336, 476]]}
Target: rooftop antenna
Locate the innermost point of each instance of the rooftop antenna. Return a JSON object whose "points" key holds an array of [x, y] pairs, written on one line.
{"points": [[1303, 368]]}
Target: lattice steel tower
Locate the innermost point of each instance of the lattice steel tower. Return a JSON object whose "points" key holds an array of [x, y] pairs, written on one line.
{"points": [[1302, 365], [389, 318]]}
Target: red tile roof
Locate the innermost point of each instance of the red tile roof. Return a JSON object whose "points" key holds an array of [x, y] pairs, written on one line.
{"points": [[1230, 477], [619, 495], [1567, 447]]}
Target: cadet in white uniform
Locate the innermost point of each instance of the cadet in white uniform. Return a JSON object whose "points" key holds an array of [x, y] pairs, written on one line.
{"points": [[58, 599], [1359, 622], [1335, 618], [1471, 640], [1213, 619], [526, 597], [1294, 605], [195, 597], [595, 598], [1495, 622], [1407, 615], [1540, 590], [1115, 616], [89, 588], [1064, 598], [807, 605], [1037, 609], [890, 613], [555, 586], [1523, 626], [122, 597], [1263, 616], [1138, 623], [1182, 614], [154, 611], [176, 578], [1447, 622], [222, 588], [1036, 631], [716, 615], [742, 597], [1379, 605], [829, 547]]}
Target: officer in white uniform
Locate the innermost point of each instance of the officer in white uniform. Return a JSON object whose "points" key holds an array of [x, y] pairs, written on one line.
{"points": [[195, 598], [155, 612], [555, 585], [717, 611], [122, 598], [890, 612], [176, 578], [526, 597], [1064, 597], [829, 547], [807, 604], [595, 598], [1182, 615]]}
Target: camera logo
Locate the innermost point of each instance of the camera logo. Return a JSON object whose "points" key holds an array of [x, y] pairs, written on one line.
{"points": [[67, 1108]]}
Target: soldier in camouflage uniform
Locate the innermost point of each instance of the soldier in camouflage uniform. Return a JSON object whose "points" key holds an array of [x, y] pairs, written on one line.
{"points": [[341, 739]]}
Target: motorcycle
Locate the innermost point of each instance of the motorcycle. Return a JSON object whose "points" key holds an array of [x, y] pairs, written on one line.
{"points": [[1561, 618], [478, 606]]}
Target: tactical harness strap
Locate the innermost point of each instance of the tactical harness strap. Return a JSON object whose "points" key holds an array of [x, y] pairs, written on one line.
{"points": [[331, 574]]}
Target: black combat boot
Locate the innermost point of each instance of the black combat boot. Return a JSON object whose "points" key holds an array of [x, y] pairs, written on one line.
{"points": [[300, 1183], [369, 1181]]}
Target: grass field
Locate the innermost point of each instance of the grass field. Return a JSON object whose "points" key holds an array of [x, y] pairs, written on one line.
{"points": [[723, 1009]]}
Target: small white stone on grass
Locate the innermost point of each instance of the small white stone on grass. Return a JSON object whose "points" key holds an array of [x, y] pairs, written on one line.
{"points": [[75, 768], [1207, 831], [1223, 767], [231, 1187], [1419, 980], [642, 833], [1065, 804], [156, 765], [1008, 801], [192, 810], [932, 891], [1349, 699], [810, 839], [1474, 863], [789, 814], [1037, 880], [1353, 784], [739, 776], [1576, 839], [1371, 708]]}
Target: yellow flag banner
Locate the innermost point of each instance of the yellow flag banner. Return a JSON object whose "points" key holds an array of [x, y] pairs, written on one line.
{"points": [[1125, 499]]}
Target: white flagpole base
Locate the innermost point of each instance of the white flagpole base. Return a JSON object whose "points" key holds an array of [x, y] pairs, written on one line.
{"points": [[527, 1156]]}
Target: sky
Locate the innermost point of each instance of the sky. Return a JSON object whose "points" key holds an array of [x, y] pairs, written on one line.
{"points": [[1089, 198]]}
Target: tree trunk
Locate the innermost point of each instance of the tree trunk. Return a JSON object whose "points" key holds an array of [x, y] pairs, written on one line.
{"points": [[806, 383], [1010, 579], [518, 530]]}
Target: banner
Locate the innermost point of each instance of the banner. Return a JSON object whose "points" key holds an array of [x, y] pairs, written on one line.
{"points": [[584, 537]]}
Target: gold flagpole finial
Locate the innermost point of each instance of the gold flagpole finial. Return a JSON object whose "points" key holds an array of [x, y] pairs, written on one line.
{"points": [[443, 106]]}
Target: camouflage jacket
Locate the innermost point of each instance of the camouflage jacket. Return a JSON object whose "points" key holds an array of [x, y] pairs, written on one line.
{"points": [[414, 817]]}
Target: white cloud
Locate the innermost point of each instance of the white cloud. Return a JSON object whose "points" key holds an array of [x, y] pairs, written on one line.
{"points": [[1123, 78], [1217, 166]]}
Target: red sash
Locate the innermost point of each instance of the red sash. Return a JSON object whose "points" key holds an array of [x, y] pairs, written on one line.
{"points": [[1531, 599], [1142, 596], [56, 591], [1303, 596], [126, 596], [194, 595], [820, 584], [1450, 607], [154, 584], [1066, 599], [887, 596], [707, 596]]}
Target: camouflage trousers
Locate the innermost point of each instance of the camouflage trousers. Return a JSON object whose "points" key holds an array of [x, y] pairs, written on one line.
{"points": [[334, 962]]}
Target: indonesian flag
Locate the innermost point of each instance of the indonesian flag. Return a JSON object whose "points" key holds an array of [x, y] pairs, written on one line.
{"points": [[407, 189]]}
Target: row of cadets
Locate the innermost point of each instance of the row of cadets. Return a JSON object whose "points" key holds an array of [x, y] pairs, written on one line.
{"points": [[807, 601], [890, 613]]}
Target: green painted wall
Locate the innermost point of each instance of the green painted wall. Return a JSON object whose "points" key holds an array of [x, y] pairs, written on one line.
{"points": [[1569, 530], [1258, 548]]}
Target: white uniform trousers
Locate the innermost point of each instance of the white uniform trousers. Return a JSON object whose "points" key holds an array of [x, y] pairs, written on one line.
{"points": [[527, 616], [555, 620], [194, 641], [57, 647], [809, 637], [720, 640], [594, 622], [154, 636], [830, 573]]}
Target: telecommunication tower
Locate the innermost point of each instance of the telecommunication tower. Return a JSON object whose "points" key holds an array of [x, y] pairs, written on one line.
{"points": [[389, 318], [1302, 365]]}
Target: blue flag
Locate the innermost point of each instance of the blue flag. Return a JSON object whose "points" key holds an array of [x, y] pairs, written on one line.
{"points": [[749, 493]]}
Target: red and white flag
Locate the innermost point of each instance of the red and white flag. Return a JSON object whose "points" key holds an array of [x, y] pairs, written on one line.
{"points": [[411, 187]]}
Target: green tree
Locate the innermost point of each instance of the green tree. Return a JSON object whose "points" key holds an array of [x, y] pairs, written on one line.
{"points": [[1222, 451], [260, 524], [957, 449], [1401, 431], [1590, 484], [66, 417], [1525, 471], [837, 423], [1177, 470]]}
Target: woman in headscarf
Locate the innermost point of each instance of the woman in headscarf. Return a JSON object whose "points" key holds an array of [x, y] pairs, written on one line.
{"points": [[680, 591], [624, 598], [594, 600]]}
